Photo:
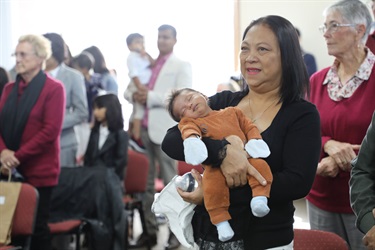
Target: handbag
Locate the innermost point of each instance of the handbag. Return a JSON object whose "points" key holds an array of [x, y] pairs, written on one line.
{"points": [[9, 192]]}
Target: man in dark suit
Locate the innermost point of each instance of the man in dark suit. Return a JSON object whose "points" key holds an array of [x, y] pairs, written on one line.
{"points": [[308, 58]]}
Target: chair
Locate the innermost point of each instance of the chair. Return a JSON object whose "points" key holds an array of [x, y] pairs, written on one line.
{"points": [[88, 200], [135, 182], [68, 227], [305, 239], [183, 167], [24, 215]]}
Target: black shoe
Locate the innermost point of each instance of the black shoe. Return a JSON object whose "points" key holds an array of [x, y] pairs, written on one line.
{"points": [[137, 145], [145, 241], [173, 242]]}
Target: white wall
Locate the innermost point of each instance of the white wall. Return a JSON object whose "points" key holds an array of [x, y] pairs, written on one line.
{"points": [[306, 15], [204, 32]]}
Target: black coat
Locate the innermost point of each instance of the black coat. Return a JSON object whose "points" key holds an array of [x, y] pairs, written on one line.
{"points": [[113, 154], [90, 194]]}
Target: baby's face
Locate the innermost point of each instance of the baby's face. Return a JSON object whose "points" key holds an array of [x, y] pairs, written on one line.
{"points": [[137, 45], [190, 104]]}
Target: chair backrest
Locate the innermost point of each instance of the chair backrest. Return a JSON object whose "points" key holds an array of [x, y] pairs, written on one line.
{"points": [[305, 239], [25, 213], [136, 172], [184, 167]]}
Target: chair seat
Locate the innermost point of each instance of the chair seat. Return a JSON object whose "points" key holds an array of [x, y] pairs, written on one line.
{"points": [[306, 239], [64, 226]]}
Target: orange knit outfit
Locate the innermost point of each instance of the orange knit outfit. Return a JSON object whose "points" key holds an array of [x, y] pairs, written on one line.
{"points": [[217, 125]]}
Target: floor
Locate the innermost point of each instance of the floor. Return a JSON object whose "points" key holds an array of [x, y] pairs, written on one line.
{"points": [[300, 217]]}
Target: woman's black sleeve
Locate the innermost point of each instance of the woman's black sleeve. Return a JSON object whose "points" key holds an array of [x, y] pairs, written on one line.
{"points": [[172, 145]]}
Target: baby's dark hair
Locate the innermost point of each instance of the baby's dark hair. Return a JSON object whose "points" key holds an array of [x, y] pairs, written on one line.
{"points": [[131, 38], [172, 98]]}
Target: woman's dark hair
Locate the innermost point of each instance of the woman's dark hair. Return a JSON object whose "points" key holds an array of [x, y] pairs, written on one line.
{"points": [[295, 84], [84, 60], [99, 65], [113, 115]]}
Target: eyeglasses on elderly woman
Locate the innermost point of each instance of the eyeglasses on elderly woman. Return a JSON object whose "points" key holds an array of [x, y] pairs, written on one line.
{"points": [[334, 27]]}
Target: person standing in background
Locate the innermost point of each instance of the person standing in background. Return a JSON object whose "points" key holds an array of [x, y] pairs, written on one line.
{"points": [[108, 142], [362, 191], [343, 95], [76, 110], [31, 117], [139, 64], [168, 73], [308, 58], [108, 80], [84, 63]]}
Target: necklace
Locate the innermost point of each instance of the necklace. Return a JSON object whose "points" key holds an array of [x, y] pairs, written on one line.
{"points": [[261, 114]]}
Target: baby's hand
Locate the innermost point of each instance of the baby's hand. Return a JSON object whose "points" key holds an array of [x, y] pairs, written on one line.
{"points": [[257, 148], [195, 151]]}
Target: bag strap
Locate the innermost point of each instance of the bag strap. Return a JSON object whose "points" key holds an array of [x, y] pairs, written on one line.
{"points": [[9, 171]]}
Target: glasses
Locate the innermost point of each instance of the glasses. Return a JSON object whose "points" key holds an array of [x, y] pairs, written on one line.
{"points": [[333, 27], [22, 54]]}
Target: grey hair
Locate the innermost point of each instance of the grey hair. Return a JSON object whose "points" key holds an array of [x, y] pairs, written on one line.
{"points": [[41, 46], [353, 11]]}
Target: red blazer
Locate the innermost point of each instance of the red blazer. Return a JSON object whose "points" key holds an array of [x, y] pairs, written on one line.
{"points": [[39, 152]]}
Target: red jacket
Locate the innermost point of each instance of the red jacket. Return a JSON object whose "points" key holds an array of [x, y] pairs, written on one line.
{"points": [[39, 152]]}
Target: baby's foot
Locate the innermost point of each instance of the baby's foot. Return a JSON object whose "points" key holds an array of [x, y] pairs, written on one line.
{"points": [[224, 230], [259, 206]]}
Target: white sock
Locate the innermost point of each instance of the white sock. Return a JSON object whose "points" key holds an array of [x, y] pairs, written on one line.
{"points": [[224, 230], [259, 206]]}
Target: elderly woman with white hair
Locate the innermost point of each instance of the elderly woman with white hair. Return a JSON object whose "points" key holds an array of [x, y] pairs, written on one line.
{"points": [[344, 96], [31, 115]]}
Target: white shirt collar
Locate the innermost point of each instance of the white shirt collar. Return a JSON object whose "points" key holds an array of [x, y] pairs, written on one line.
{"points": [[54, 72]]}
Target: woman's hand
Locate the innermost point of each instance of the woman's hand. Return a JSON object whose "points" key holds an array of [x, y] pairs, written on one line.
{"points": [[327, 167], [8, 159], [342, 152], [196, 196], [236, 167], [141, 95]]}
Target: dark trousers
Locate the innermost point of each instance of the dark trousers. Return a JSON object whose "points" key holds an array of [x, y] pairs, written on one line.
{"points": [[41, 239]]}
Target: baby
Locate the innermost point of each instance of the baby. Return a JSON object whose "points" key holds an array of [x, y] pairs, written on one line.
{"points": [[196, 119]]}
